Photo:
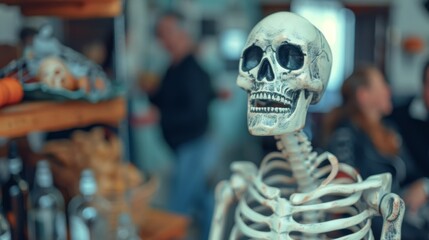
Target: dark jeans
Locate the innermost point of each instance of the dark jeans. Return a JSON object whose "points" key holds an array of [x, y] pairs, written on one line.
{"points": [[191, 194]]}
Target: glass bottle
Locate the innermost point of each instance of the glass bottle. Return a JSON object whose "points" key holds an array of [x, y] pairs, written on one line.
{"points": [[88, 211], [4, 177], [15, 198], [126, 229], [4, 228], [47, 215], [4, 170]]}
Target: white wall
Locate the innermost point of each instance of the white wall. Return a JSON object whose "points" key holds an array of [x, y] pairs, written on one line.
{"points": [[404, 70], [10, 23]]}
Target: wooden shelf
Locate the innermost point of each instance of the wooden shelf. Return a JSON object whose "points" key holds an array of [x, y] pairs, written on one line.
{"points": [[162, 225], [21, 119], [68, 8]]}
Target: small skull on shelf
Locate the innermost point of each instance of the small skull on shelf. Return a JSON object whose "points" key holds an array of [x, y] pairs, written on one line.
{"points": [[55, 74]]}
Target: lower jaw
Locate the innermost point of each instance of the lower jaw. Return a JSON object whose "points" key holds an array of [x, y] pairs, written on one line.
{"points": [[270, 110], [269, 123]]}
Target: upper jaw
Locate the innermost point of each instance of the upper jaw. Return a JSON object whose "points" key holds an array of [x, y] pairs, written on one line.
{"points": [[269, 102]]}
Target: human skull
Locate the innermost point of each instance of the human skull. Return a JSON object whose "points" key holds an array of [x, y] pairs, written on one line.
{"points": [[55, 74], [284, 67]]}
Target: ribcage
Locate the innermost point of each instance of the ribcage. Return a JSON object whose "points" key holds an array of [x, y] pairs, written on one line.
{"points": [[273, 207]]}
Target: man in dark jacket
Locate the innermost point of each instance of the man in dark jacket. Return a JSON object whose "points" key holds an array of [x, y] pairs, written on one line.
{"points": [[183, 100]]}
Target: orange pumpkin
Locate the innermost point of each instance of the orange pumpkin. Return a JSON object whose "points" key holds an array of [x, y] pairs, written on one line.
{"points": [[84, 84], [413, 44], [16, 92], [4, 94], [11, 91]]}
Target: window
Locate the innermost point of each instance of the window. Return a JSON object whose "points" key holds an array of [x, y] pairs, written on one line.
{"points": [[337, 24]]}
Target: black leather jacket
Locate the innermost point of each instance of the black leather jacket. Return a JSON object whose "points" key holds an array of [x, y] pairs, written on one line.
{"points": [[353, 146]]}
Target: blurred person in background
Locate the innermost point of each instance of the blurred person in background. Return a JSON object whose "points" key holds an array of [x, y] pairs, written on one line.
{"points": [[358, 135], [412, 120], [183, 100]]}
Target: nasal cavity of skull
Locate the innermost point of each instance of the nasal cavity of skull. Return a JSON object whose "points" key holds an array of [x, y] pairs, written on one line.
{"points": [[265, 71]]}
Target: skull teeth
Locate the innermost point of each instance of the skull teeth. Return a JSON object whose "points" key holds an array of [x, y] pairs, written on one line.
{"points": [[271, 97], [269, 110]]}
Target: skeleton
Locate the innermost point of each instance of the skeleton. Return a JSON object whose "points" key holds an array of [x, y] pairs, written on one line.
{"points": [[296, 193]]}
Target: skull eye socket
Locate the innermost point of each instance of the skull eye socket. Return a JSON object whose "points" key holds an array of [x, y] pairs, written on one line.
{"points": [[251, 58], [290, 56]]}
